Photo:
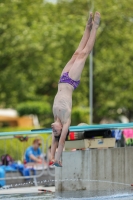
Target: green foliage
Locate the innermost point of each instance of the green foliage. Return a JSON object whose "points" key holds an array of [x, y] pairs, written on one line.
{"points": [[41, 109], [80, 115], [129, 142], [37, 39], [31, 107], [113, 83], [11, 129]]}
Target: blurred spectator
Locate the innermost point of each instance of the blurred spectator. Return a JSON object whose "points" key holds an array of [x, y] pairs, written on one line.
{"points": [[117, 134], [33, 153]]}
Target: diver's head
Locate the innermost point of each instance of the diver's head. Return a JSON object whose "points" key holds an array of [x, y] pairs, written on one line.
{"points": [[57, 128]]}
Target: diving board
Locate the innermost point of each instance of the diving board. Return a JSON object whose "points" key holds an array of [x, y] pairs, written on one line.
{"points": [[72, 128]]}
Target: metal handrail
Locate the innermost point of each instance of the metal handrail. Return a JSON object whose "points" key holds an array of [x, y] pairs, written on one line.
{"points": [[48, 169], [71, 128]]}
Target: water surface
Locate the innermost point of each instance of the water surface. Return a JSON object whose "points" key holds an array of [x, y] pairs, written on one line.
{"points": [[74, 195]]}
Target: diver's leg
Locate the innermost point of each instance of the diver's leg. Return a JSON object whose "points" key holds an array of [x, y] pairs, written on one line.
{"points": [[86, 34], [78, 65], [81, 46]]}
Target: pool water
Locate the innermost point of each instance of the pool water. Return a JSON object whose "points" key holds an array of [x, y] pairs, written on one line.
{"points": [[74, 195]]}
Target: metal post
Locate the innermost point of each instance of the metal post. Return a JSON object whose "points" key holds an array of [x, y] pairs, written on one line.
{"points": [[91, 75], [91, 86]]}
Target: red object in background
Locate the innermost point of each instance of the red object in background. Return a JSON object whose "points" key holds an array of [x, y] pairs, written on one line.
{"points": [[51, 163], [72, 136], [24, 162]]}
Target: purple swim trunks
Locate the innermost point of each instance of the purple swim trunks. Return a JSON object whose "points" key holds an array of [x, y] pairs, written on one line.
{"points": [[66, 79]]}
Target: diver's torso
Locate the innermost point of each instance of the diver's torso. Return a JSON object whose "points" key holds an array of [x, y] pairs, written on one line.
{"points": [[63, 102]]}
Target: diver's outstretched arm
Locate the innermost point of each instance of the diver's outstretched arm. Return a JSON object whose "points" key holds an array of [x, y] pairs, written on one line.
{"points": [[62, 143], [53, 147]]}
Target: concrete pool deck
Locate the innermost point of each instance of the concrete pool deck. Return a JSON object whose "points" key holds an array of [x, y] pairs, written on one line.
{"points": [[95, 169], [27, 190]]}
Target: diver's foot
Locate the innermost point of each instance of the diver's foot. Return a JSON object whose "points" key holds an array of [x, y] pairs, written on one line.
{"points": [[96, 20], [89, 23], [57, 163]]}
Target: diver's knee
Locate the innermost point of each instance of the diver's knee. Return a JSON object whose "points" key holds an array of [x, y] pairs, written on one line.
{"points": [[83, 54]]}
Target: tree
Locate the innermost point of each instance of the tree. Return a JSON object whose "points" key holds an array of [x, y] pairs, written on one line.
{"points": [[37, 39], [113, 83]]}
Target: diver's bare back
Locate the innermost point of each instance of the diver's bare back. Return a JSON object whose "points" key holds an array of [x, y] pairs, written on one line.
{"points": [[63, 102]]}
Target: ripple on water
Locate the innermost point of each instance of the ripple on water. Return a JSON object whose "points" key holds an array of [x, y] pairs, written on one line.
{"points": [[27, 197]]}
